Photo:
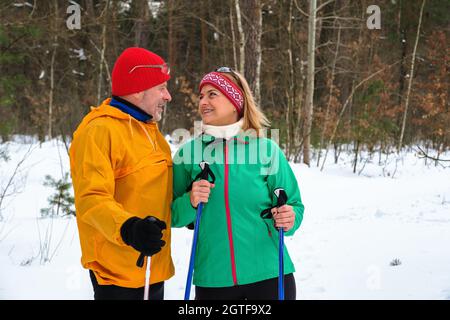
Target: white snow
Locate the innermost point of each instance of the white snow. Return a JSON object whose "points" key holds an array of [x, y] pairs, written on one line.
{"points": [[25, 3], [155, 8], [78, 73], [354, 227], [79, 54]]}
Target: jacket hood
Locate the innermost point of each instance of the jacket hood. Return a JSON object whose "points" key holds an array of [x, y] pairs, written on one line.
{"points": [[103, 110]]}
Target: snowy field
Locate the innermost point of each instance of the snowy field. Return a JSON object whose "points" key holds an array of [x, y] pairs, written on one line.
{"points": [[367, 236]]}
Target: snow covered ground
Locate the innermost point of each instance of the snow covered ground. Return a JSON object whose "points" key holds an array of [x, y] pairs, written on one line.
{"points": [[354, 227]]}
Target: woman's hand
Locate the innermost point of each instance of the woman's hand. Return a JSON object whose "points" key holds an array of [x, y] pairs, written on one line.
{"points": [[284, 217], [200, 192]]}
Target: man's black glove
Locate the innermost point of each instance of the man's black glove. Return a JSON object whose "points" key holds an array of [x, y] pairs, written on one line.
{"points": [[144, 235]]}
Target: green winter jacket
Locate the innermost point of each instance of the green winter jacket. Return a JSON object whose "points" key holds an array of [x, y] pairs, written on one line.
{"points": [[235, 245]]}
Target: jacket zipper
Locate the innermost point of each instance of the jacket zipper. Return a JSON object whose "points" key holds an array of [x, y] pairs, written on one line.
{"points": [[227, 208]]}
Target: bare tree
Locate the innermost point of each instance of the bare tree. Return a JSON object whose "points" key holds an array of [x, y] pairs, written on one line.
{"points": [[172, 40], [102, 52], [425, 155], [344, 107], [310, 82], [233, 39], [330, 94], [204, 38], [13, 186], [54, 45], [241, 37], [402, 36], [290, 90], [411, 76], [251, 11], [141, 25]]}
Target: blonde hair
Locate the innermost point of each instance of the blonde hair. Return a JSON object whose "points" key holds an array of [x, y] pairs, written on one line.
{"points": [[253, 116]]}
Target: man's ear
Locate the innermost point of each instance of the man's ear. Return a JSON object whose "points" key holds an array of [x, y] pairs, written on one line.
{"points": [[134, 98], [138, 96]]}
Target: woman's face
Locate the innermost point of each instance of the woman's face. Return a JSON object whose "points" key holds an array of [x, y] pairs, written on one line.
{"points": [[215, 108]]}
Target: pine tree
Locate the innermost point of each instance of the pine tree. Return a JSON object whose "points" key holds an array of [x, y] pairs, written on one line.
{"points": [[61, 202]]}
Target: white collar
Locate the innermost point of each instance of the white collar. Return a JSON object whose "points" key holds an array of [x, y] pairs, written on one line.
{"points": [[225, 132]]}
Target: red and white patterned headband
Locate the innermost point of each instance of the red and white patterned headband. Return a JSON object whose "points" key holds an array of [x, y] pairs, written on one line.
{"points": [[227, 87]]}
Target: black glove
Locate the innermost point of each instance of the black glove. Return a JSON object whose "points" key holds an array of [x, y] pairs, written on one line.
{"points": [[191, 226], [144, 235]]}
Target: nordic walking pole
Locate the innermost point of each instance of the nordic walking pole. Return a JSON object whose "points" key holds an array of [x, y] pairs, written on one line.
{"points": [[203, 175], [147, 278], [187, 291], [140, 263], [281, 201]]}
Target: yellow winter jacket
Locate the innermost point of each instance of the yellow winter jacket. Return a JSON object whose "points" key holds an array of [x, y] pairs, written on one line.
{"points": [[120, 168]]}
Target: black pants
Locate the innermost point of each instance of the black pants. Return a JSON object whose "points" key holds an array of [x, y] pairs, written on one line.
{"points": [[112, 292], [262, 290]]}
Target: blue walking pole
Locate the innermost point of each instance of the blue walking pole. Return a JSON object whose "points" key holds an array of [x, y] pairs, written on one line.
{"points": [[281, 200], [281, 264], [187, 291], [203, 175]]}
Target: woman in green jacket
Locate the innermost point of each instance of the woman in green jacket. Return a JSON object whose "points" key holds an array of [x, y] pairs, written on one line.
{"points": [[237, 249]]}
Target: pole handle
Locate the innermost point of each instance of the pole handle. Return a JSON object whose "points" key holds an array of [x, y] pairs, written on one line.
{"points": [[281, 201]]}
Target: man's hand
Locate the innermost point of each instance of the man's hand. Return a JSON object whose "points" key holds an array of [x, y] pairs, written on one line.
{"points": [[144, 235]]}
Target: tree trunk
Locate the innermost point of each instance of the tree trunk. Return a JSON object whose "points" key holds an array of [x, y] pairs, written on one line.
{"points": [[251, 11], [411, 76], [90, 9], [54, 44], [241, 37], [233, 37], [402, 34], [171, 35], [330, 94], [297, 128], [141, 25], [102, 53], [204, 38], [310, 83], [356, 155], [290, 92]]}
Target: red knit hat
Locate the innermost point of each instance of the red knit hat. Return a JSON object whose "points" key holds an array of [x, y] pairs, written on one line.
{"points": [[136, 70]]}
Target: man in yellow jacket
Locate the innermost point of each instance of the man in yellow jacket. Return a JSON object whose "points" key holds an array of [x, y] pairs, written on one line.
{"points": [[121, 169]]}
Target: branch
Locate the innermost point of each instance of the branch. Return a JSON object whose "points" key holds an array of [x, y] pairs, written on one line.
{"points": [[104, 60], [423, 154], [344, 107], [10, 184], [211, 25], [323, 5], [300, 9], [317, 9], [339, 18]]}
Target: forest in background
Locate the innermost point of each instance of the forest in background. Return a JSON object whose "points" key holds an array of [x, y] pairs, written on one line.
{"points": [[362, 96]]}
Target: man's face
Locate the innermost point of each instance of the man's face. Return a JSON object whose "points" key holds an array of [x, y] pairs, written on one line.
{"points": [[154, 100]]}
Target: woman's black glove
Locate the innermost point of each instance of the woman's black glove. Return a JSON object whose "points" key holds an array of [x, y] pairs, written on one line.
{"points": [[144, 235]]}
